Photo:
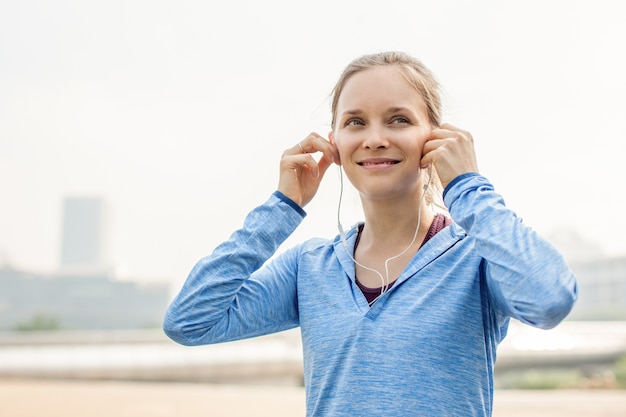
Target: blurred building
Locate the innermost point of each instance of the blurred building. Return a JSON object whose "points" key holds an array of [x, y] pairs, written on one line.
{"points": [[30, 301], [83, 244], [602, 289], [83, 293], [601, 279]]}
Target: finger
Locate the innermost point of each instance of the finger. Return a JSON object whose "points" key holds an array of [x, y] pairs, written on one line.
{"points": [[314, 143], [313, 166], [442, 132], [450, 127], [322, 166], [447, 130], [331, 153], [432, 143], [309, 144], [448, 133], [317, 169], [298, 162], [427, 158]]}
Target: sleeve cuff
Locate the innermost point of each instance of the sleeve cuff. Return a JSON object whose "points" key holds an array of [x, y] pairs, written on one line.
{"points": [[290, 202], [457, 180]]}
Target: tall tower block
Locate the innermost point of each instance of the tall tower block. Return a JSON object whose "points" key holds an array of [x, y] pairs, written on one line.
{"points": [[83, 242]]}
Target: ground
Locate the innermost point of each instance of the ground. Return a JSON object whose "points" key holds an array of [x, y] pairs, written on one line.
{"points": [[24, 398]]}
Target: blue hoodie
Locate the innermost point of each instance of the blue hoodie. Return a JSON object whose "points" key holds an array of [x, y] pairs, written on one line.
{"points": [[427, 347]]}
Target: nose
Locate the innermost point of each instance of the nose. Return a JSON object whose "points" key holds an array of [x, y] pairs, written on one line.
{"points": [[375, 138]]}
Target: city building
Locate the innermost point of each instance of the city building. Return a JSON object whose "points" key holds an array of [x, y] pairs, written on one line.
{"points": [[601, 289], [84, 240], [30, 301], [83, 293]]}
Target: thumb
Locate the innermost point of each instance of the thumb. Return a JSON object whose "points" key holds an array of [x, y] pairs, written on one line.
{"points": [[323, 165]]}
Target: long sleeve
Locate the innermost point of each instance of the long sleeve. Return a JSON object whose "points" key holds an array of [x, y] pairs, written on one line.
{"points": [[527, 278], [229, 294]]}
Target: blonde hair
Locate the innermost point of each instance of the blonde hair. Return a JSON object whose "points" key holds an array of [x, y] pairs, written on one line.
{"points": [[420, 78]]}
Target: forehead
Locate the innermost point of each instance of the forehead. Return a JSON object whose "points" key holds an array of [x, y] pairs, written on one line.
{"points": [[379, 86]]}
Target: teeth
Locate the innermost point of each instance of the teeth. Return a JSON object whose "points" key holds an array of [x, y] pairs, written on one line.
{"points": [[379, 163]]}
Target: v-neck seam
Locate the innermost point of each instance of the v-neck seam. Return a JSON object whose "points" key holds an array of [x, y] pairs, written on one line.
{"points": [[452, 236]]}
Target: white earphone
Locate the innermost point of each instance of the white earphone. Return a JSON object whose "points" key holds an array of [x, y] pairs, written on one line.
{"points": [[384, 283]]}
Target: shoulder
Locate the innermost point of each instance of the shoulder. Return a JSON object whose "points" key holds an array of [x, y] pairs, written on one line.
{"points": [[315, 245]]}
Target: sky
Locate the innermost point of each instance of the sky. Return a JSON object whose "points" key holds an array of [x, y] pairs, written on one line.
{"points": [[176, 114]]}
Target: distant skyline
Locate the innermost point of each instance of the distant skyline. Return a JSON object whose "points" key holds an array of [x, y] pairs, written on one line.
{"points": [[176, 113]]}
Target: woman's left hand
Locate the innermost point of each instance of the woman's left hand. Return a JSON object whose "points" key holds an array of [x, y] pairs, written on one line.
{"points": [[451, 151]]}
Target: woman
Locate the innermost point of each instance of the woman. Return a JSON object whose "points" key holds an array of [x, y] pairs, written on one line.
{"points": [[402, 314]]}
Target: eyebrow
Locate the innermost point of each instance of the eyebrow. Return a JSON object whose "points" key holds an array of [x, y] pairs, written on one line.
{"points": [[352, 112], [399, 109], [394, 109]]}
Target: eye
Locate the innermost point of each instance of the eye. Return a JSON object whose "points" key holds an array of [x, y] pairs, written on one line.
{"points": [[400, 119], [354, 122]]}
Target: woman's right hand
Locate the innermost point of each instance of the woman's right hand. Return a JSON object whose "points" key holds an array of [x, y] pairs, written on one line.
{"points": [[300, 174]]}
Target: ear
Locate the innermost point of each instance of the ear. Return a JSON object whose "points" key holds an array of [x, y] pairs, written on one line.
{"points": [[331, 138]]}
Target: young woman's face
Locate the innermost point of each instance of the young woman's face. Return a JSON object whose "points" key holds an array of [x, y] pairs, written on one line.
{"points": [[380, 129]]}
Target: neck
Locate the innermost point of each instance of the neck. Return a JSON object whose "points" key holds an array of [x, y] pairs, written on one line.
{"points": [[389, 240], [392, 224]]}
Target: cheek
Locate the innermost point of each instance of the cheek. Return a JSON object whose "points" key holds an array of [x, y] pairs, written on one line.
{"points": [[420, 141], [344, 155], [346, 144]]}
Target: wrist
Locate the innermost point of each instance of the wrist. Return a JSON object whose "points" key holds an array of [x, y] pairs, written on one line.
{"points": [[288, 200]]}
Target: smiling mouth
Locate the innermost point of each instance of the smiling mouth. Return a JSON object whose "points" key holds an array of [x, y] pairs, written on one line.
{"points": [[377, 162]]}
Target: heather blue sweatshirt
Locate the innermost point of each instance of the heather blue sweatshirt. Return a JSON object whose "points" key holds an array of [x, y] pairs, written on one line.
{"points": [[426, 348]]}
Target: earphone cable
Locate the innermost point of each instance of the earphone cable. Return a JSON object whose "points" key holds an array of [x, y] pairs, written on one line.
{"points": [[384, 283]]}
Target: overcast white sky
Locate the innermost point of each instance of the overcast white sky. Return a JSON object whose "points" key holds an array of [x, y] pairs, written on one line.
{"points": [[177, 112]]}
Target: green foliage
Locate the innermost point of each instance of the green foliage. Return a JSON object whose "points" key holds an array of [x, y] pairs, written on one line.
{"points": [[40, 322], [540, 379], [620, 372]]}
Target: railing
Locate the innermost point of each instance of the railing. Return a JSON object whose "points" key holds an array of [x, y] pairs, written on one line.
{"points": [[150, 355]]}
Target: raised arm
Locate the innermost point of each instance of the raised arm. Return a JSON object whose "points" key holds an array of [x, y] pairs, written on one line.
{"points": [[526, 276], [228, 295]]}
